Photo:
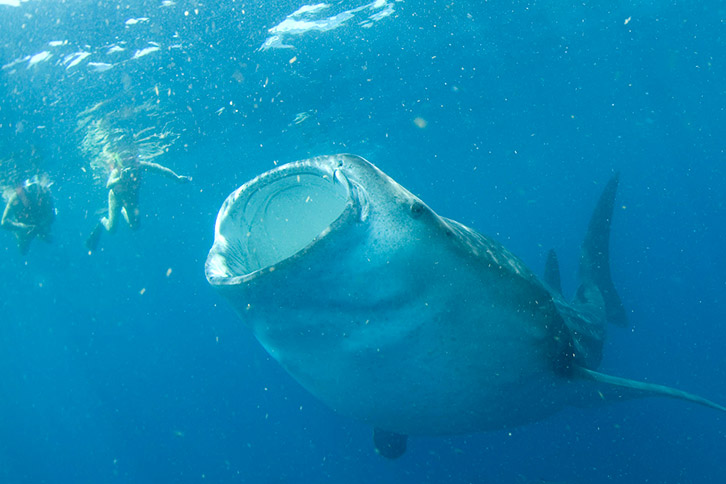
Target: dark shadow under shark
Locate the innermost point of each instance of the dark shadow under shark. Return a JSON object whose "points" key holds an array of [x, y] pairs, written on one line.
{"points": [[411, 322]]}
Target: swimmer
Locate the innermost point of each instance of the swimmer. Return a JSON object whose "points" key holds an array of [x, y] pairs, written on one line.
{"points": [[123, 194], [29, 212]]}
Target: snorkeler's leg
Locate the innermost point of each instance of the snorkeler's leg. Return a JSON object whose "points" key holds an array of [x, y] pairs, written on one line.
{"points": [[106, 223], [131, 214], [114, 207]]}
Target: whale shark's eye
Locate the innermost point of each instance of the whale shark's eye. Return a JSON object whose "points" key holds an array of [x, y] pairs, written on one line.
{"points": [[417, 209]]}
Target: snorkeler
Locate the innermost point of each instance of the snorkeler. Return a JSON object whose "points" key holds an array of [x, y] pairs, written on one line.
{"points": [[29, 212], [123, 194]]}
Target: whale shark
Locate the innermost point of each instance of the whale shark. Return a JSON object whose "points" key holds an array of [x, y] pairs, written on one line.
{"points": [[409, 321]]}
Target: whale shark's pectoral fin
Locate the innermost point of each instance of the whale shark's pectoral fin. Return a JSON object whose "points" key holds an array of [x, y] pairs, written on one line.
{"points": [[389, 444], [552, 272], [623, 388]]}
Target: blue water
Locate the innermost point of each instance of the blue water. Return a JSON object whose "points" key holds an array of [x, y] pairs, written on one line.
{"points": [[125, 366]]}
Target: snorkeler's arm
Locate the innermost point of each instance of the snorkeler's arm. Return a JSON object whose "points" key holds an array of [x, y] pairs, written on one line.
{"points": [[7, 222], [162, 170]]}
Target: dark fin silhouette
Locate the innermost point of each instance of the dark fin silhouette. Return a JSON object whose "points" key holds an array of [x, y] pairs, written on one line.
{"points": [[95, 237], [389, 444], [552, 272], [623, 388], [595, 257], [24, 241]]}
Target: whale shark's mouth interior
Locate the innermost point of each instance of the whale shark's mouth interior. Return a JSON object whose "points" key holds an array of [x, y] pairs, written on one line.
{"points": [[279, 215]]}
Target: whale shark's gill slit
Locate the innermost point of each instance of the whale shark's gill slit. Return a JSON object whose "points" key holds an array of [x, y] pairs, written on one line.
{"points": [[281, 215]]}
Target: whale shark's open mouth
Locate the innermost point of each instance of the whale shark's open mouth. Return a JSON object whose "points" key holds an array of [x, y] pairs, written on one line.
{"points": [[275, 216]]}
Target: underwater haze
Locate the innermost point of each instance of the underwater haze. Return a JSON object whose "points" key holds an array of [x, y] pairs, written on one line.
{"points": [[124, 366]]}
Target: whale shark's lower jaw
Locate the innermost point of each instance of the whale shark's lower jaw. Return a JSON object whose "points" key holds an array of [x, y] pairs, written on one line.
{"points": [[278, 216]]}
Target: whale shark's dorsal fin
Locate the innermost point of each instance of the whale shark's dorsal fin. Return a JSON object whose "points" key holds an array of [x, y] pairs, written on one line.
{"points": [[552, 272], [626, 388], [595, 256]]}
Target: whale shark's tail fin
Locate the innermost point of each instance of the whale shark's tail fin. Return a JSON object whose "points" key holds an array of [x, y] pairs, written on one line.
{"points": [[595, 257], [596, 302], [613, 387]]}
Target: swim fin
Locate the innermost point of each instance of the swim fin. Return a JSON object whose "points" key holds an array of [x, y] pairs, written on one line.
{"points": [[95, 237]]}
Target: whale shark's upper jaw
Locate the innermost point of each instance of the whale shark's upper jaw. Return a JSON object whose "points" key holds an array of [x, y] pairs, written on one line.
{"points": [[281, 214]]}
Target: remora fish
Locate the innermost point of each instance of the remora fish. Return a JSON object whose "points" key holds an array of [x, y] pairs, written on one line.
{"points": [[407, 320]]}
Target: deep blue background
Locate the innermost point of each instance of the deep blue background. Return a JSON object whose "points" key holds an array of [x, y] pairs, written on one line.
{"points": [[529, 109]]}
